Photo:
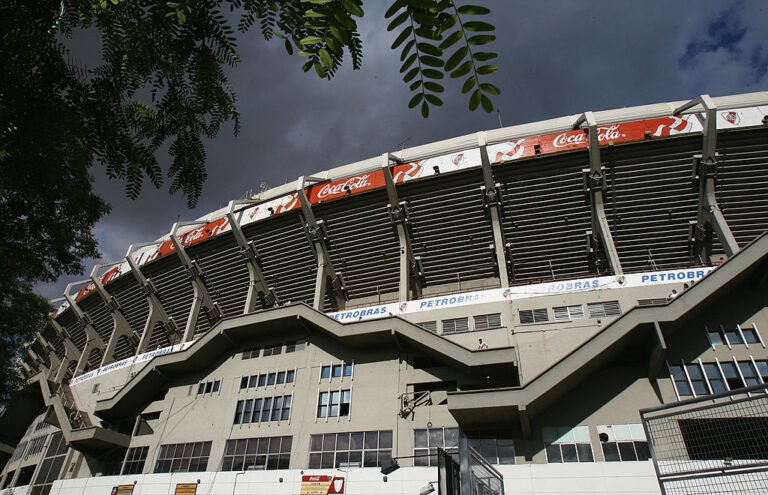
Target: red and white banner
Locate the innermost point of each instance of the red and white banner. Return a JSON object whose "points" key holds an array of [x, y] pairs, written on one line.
{"points": [[351, 185], [267, 209], [322, 484]]}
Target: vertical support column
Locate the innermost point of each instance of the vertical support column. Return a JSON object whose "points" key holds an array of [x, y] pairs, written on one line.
{"points": [[92, 338], [258, 289], [594, 183], [201, 297], [326, 274], [71, 354], [157, 312], [709, 217], [120, 325], [492, 201], [411, 270], [53, 359]]}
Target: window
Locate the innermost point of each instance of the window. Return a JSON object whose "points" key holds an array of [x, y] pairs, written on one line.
{"points": [[298, 345], [134, 460], [336, 370], [426, 441], [528, 316], [248, 454], [494, 450], [251, 353], [749, 373], [568, 444], [35, 446], [183, 457], [715, 378], [623, 443], [210, 387], [264, 379], [429, 325], [335, 403], [356, 449], [715, 336], [567, 313], [602, 309], [732, 376], [679, 378], [263, 410], [484, 322], [733, 336], [698, 382], [762, 370], [455, 325], [751, 335], [273, 350]]}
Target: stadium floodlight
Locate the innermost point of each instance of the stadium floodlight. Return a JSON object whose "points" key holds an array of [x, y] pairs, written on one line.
{"points": [[391, 468]]}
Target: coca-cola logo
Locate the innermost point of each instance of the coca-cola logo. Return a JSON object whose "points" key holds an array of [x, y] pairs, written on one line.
{"points": [[578, 138], [350, 185]]}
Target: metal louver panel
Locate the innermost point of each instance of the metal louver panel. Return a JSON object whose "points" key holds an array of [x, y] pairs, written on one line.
{"points": [[601, 309]]}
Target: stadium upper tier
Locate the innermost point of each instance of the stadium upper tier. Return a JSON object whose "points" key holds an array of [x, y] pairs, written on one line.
{"points": [[603, 193]]}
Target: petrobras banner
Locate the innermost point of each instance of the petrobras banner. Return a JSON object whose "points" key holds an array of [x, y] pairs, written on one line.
{"points": [[522, 292], [141, 360]]}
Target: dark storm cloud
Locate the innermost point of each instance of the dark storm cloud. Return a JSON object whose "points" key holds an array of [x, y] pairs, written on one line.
{"points": [[555, 57]]}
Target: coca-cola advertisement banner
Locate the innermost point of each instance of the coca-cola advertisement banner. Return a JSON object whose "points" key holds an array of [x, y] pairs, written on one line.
{"points": [[190, 237], [351, 185]]}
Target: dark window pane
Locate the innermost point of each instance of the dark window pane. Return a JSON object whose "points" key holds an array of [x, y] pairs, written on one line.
{"points": [[254, 381], [643, 452], [244, 382], [370, 459], [347, 370], [315, 443], [336, 371], [371, 439], [627, 451], [553, 453], [385, 439], [281, 377], [585, 452], [290, 377], [356, 441], [326, 461], [314, 461], [750, 335], [420, 438], [342, 441], [569, 452], [262, 380], [329, 442], [611, 452], [325, 372]]}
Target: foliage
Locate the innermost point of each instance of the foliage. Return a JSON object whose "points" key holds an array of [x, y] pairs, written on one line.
{"points": [[161, 82]]}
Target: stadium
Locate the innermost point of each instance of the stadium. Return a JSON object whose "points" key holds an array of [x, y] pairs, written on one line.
{"points": [[518, 294]]}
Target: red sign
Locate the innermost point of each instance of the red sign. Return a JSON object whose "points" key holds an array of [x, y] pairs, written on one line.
{"points": [[343, 187], [193, 236], [321, 484]]}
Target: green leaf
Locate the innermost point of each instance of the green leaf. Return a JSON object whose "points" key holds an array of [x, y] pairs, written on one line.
{"points": [[486, 103], [303, 53], [487, 69], [428, 33], [307, 65], [314, 14], [288, 47], [434, 100], [172, 5], [396, 5], [462, 70], [325, 58], [402, 37], [415, 84], [433, 86], [478, 26], [473, 10], [432, 74], [411, 74], [425, 110], [457, 57], [415, 100], [450, 40], [425, 19], [352, 7], [474, 100], [407, 64], [490, 88], [181, 16], [429, 49], [407, 48], [319, 69], [336, 33], [398, 20], [311, 40], [431, 61], [483, 56], [481, 39], [468, 84]]}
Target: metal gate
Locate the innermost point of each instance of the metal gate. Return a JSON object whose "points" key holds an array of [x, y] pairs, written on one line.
{"points": [[716, 444]]}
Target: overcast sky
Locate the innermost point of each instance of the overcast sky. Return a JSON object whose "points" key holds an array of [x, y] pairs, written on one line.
{"points": [[556, 57]]}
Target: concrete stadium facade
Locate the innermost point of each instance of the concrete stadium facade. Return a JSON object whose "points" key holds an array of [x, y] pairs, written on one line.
{"points": [[528, 288]]}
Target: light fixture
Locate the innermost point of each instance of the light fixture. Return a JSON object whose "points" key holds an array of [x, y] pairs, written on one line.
{"points": [[427, 489], [391, 468]]}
